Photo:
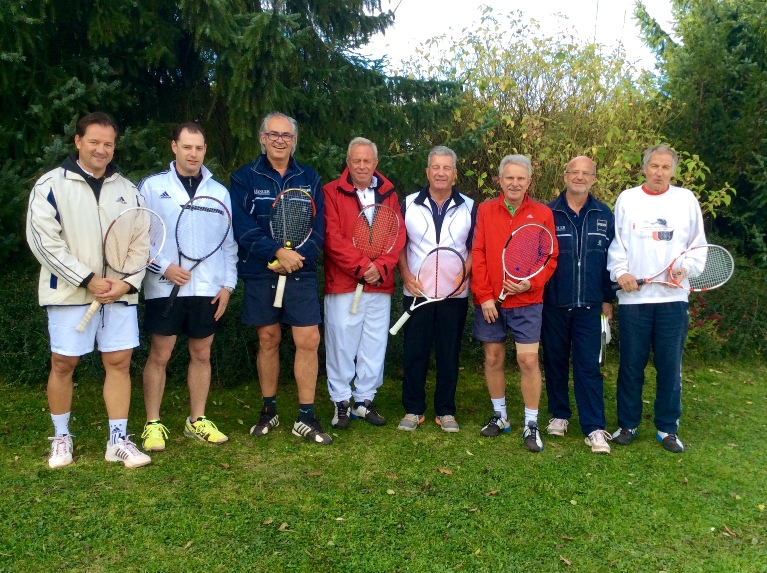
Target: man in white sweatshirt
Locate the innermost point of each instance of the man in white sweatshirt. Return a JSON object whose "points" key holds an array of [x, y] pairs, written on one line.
{"points": [[653, 224], [203, 295]]}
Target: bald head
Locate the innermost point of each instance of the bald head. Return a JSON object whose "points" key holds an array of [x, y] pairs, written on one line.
{"points": [[580, 176]]}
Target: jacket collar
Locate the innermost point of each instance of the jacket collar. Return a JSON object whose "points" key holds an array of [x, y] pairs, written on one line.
{"points": [[423, 196], [70, 164], [382, 187], [560, 203]]}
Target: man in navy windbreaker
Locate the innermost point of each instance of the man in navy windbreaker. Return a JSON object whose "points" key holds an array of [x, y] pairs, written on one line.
{"points": [[576, 296], [262, 260]]}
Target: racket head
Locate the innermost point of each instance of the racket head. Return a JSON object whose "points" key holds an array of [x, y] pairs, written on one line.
{"points": [[442, 273], [133, 240], [202, 227], [292, 218], [527, 251], [707, 267], [375, 230]]}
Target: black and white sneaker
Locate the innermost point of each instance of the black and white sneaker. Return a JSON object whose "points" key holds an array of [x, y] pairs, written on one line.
{"points": [[367, 411], [532, 437], [495, 426], [670, 442], [624, 436], [312, 431], [340, 419], [266, 422]]}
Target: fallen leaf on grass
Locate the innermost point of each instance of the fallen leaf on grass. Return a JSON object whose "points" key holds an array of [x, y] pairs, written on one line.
{"points": [[685, 481], [715, 383], [240, 422], [314, 474], [573, 502], [445, 471], [568, 538], [268, 521], [749, 403], [426, 485], [734, 495], [477, 552], [224, 465], [468, 452], [715, 371], [339, 518], [730, 531], [390, 491], [565, 561], [761, 507], [493, 492], [188, 544], [283, 526], [392, 475]]}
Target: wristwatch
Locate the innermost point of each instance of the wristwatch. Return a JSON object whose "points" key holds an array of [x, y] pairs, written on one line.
{"points": [[228, 289]]}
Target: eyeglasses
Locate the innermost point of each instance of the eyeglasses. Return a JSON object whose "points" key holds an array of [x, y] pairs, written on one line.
{"points": [[274, 136], [579, 173]]}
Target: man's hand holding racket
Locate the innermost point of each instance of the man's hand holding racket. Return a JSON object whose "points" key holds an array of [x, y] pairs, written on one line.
{"points": [[490, 307]]}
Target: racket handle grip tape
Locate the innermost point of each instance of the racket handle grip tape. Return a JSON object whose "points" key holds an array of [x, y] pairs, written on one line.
{"points": [[357, 296], [397, 325], [280, 291], [171, 300], [617, 287], [92, 309]]}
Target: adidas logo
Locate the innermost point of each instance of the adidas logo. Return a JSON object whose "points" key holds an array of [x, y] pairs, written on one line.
{"points": [[529, 216], [165, 195], [122, 200]]}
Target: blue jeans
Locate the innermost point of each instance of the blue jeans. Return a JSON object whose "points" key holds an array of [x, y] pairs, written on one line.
{"points": [[661, 327], [579, 329]]}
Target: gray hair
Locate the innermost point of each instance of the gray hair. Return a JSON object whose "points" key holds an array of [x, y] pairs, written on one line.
{"points": [[663, 149], [521, 160], [442, 150], [361, 141], [293, 123]]}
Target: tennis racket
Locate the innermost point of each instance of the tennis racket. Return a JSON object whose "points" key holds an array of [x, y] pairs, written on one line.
{"points": [[201, 229], [696, 269], [132, 242], [526, 253], [291, 221], [375, 232], [442, 274]]}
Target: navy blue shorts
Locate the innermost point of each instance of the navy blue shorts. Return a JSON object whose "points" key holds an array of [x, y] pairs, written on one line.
{"points": [[190, 315], [524, 323], [300, 304]]}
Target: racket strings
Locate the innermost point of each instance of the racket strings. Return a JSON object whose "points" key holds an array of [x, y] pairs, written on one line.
{"points": [[129, 240], [292, 218], [202, 227], [442, 274], [717, 269], [375, 231], [526, 252]]}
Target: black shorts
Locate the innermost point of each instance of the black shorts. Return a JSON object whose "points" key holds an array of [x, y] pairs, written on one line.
{"points": [[300, 305], [190, 315]]}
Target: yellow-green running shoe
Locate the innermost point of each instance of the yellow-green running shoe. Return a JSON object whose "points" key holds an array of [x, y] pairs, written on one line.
{"points": [[154, 436], [205, 430]]}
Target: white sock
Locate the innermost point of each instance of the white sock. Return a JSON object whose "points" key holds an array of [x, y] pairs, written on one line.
{"points": [[61, 423], [531, 415], [499, 406], [117, 429]]}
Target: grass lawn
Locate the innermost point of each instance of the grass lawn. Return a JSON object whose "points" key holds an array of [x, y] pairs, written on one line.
{"points": [[383, 500]]}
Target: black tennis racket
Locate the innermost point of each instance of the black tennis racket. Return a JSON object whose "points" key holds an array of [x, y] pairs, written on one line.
{"points": [[442, 275], [291, 221], [201, 230], [526, 253], [132, 242]]}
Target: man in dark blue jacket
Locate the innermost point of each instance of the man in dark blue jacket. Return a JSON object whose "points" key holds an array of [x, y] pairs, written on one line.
{"points": [[261, 262], [576, 296]]}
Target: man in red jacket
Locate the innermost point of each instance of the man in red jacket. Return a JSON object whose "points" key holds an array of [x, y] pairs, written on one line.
{"points": [[355, 344], [521, 311]]}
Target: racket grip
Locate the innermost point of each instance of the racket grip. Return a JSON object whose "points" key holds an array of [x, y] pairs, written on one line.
{"points": [[171, 300], [357, 296], [280, 291], [617, 287], [92, 309], [397, 325]]}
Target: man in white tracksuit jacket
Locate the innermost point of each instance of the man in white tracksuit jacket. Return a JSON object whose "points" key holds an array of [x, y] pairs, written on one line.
{"points": [[202, 298]]}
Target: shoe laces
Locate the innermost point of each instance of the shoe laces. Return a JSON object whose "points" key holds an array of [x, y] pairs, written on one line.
{"points": [[494, 420], [342, 410], [153, 427], [203, 426], [129, 446], [60, 444], [413, 418], [600, 436], [447, 418], [532, 431]]}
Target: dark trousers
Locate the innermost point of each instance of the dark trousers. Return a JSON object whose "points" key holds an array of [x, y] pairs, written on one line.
{"points": [[661, 327], [438, 324], [578, 329]]}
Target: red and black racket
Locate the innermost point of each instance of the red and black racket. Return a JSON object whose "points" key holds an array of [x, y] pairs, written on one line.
{"points": [[526, 253], [375, 233], [201, 230], [292, 222]]}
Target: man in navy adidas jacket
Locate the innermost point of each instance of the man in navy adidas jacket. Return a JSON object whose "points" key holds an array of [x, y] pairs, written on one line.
{"points": [[576, 296]]}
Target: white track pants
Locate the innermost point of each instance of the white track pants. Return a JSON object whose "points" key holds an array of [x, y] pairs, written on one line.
{"points": [[362, 336]]}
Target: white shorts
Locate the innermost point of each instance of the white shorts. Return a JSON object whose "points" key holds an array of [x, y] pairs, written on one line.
{"points": [[113, 328]]}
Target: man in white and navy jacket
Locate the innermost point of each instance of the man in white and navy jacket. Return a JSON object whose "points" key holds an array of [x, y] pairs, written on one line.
{"points": [[202, 298]]}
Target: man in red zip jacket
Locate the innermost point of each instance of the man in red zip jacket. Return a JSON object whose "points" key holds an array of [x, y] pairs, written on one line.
{"points": [[521, 311], [355, 344]]}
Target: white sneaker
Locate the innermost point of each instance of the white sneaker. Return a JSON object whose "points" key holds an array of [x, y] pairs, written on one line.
{"points": [[557, 427], [598, 441], [126, 452], [61, 451]]}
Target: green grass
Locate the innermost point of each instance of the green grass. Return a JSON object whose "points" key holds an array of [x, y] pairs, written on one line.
{"points": [[383, 500]]}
